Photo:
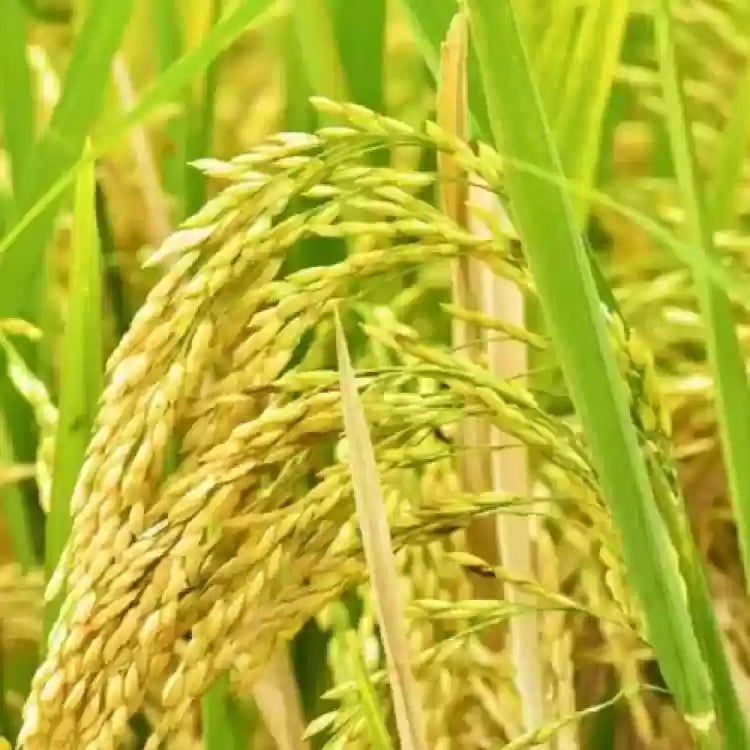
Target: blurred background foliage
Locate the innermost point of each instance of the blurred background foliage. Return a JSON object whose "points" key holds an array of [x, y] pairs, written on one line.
{"points": [[145, 87]]}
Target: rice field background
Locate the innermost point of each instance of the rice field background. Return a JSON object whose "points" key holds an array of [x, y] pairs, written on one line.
{"points": [[374, 374]]}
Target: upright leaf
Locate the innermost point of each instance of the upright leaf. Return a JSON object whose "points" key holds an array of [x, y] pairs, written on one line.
{"points": [[15, 512], [16, 96], [298, 111], [360, 35], [18, 125], [24, 245], [200, 128], [14, 505], [544, 217], [726, 359], [553, 52], [59, 147], [731, 157], [314, 26], [589, 82], [81, 369], [169, 47]]}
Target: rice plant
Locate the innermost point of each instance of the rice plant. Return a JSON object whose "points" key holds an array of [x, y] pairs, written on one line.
{"points": [[373, 375]]}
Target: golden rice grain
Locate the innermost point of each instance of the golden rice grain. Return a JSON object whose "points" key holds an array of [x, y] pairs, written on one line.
{"points": [[172, 578]]}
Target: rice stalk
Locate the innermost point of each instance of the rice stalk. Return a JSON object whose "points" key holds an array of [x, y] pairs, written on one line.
{"points": [[502, 300], [452, 117], [475, 287]]}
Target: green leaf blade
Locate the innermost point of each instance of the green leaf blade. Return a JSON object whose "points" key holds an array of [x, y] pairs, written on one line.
{"points": [[22, 249], [14, 509], [58, 148], [360, 34], [200, 127], [216, 718], [313, 23], [81, 370], [558, 259], [16, 94], [727, 365], [590, 78], [169, 46]]}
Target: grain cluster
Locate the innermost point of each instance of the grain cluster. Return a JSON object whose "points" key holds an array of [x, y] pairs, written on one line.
{"points": [[214, 515]]}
